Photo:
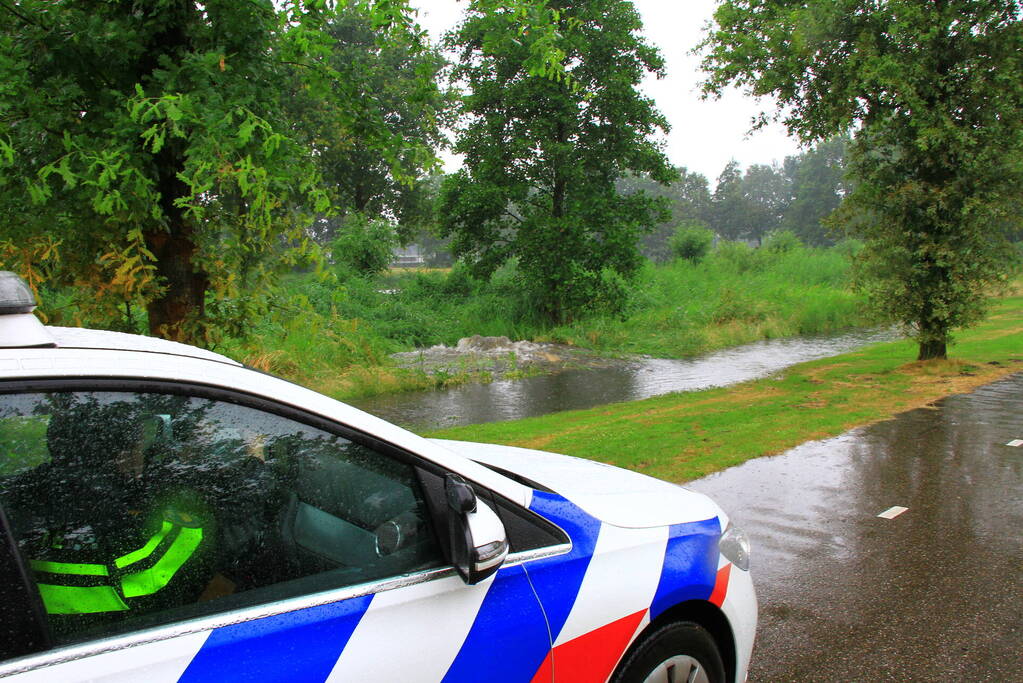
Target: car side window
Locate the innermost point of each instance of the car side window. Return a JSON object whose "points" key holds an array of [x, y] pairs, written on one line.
{"points": [[135, 509]]}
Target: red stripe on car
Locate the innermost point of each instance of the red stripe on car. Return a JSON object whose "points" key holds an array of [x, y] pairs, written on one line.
{"points": [[591, 657], [717, 596]]}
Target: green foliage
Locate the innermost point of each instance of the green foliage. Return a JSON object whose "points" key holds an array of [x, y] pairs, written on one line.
{"points": [[365, 245], [688, 201], [340, 325], [739, 254], [781, 241], [729, 208], [542, 157], [691, 242], [934, 91], [154, 151], [400, 78], [798, 195], [850, 248], [175, 156], [818, 185], [767, 192]]}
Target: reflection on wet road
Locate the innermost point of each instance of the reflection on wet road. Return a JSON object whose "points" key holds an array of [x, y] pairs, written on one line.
{"points": [[628, 381], [933, 594]]}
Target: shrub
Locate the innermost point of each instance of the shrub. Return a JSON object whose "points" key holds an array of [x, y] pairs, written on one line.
{"points": [[691, 242], [612, 294], [739, 254], [781, 241], [460, 282], [849, 248], [364, 245]]}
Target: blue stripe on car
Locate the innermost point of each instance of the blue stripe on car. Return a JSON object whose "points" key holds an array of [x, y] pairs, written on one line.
{"points": [[509, 621], [690, 564], [297, 646], [557, 579]]}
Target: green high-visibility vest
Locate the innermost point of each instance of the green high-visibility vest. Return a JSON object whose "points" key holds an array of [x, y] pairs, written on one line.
{"points": [[81, 588]]}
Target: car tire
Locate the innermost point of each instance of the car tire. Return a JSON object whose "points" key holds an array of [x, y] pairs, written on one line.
{"points": [[679, 652]]}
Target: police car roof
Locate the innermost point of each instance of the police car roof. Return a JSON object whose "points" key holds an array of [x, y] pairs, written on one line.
{"points": [[82, 338]]}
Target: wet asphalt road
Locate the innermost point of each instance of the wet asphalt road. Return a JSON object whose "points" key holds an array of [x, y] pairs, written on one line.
{"points": [[935, 594]]}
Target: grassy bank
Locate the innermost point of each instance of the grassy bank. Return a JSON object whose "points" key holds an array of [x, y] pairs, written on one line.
{"points": [[684, 436], [335, 333]]}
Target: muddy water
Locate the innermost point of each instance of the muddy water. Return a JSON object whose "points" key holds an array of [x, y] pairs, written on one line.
{"points": [[625, 381], [935, 594]]}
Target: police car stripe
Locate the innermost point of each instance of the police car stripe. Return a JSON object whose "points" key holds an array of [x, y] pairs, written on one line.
{"points": [[687, 556], [295, 646], [557, 579], [413, 632], [717, 596], [607, 594], [593, 656], [509, 621], [607, 613], [690, 564]]}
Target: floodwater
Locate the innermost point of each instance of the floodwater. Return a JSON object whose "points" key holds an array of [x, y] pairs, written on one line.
{"points": [[934, 594], [630, 380]]}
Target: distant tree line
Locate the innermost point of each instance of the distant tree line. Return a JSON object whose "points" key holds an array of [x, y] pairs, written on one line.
{"points": [[747, 205]]}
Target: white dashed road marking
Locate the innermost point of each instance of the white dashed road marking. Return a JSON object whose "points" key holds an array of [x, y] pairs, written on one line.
{"points": [[893, 512], [1015, 443]]}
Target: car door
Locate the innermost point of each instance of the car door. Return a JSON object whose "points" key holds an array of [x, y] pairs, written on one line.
{"points": [[163, 532]]}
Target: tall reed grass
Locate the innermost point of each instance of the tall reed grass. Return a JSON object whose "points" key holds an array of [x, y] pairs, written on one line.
{"points": [[335, 332]]}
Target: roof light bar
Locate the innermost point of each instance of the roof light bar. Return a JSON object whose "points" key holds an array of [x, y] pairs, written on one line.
{"points": [[15, 295]]}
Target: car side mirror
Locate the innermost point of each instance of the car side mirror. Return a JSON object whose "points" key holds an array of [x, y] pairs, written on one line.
{"points": [[479, 542]]}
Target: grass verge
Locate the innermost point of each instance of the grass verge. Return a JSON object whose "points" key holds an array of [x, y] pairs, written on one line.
{"points": [[679, 437]]}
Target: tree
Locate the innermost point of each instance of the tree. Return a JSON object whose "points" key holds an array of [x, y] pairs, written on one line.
{"points": [[168, 154], [818, 184], [150, 154], [729, 210], [542, 156], [399, 79], [934, 92], [767, 195], [688, 201]]}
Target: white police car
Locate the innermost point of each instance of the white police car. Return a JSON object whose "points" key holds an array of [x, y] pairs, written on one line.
{"points": [[169, 515]]}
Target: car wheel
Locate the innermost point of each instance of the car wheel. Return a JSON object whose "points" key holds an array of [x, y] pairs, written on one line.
{"points": [[681, 652]]}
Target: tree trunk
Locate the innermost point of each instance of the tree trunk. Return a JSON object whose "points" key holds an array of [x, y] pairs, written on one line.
{"points": [[178, 312], [930, 350], [184, 297]]}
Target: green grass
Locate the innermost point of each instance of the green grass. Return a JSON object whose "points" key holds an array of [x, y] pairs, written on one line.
{"points": [[731, 298], [679, 437], [334, 334]]}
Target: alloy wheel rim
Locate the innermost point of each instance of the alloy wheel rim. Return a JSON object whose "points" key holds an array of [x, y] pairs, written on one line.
{"points": [[678, 669]]}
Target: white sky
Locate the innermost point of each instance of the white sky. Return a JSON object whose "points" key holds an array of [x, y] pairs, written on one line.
{"points": [[704, 135]]}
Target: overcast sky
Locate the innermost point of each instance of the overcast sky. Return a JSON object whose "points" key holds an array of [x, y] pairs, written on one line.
{"points": [[704, 134]]}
